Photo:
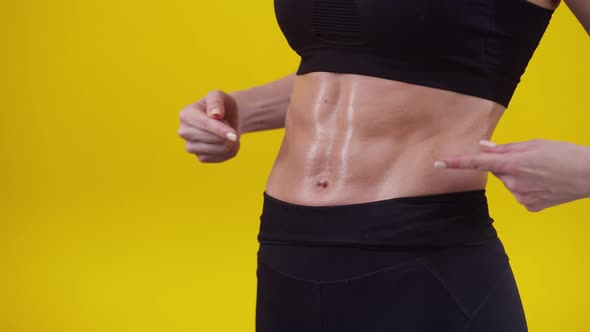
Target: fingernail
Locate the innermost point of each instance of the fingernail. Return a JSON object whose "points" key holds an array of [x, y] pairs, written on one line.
{"points": [[215, 111], [487, 143], [231, 136], [440, 164]]}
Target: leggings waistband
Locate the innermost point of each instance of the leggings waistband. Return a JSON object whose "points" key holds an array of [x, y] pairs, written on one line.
{"points": [[427, 221]]}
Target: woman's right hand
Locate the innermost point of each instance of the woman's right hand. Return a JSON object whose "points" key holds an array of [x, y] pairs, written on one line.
{"points": [[210, 127]]}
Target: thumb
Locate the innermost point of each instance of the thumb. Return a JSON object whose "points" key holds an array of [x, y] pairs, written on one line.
{"points": [[215, 104], [221, 128]]}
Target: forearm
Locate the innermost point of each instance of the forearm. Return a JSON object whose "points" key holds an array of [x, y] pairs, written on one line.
{"points": [[263, 107], [583, 180]]}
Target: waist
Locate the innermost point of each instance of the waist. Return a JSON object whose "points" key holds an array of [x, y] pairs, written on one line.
{"points": [[328, 172], [426, 221]]}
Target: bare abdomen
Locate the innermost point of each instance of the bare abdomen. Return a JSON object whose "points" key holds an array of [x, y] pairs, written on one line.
{"points": [[351, 139]]}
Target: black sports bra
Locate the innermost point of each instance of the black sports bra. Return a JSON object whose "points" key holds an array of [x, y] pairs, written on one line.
{"points": [[475, 47]]}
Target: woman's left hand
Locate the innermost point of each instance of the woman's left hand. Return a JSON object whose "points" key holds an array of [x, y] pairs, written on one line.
{"points": [[539, 173]]}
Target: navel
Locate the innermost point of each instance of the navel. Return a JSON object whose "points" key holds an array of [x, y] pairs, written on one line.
{"points": [[322, 183]]}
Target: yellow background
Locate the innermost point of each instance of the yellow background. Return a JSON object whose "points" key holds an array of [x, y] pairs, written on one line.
{"points": [[107, 224]]}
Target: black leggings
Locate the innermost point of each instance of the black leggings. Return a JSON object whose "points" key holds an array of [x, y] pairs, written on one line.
{"points": [[414, 264]]}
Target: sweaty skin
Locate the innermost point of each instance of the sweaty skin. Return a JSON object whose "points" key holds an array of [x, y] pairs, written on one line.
{"points": [[353, 139]]}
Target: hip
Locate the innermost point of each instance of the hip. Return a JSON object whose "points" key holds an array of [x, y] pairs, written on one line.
{"points": [[425, 263]]}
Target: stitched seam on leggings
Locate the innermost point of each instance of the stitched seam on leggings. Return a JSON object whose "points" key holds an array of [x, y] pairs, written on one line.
{"points": [[501, 278], [362, 275], [261, 262], [444, 285]]}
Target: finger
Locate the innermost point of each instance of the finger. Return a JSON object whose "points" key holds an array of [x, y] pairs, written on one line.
{"points": [[215, 104], [209, 149], [489, 146], [195, 134], [195, 117], [208, 158], [477, 161], [205, 158]]}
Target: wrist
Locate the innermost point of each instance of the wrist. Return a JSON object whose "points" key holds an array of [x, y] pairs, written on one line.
{"points": [[585, 172], [574, 165], [244, 107], [263, 107]]}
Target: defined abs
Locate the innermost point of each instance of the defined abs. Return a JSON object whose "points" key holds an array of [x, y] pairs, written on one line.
{"points": [[343, 145]]}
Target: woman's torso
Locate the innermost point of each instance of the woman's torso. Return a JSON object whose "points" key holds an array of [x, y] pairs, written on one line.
{"points": [[353, 138]]}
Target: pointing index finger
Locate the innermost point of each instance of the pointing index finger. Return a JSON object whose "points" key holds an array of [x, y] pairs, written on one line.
{"points": [[486, 162]]}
